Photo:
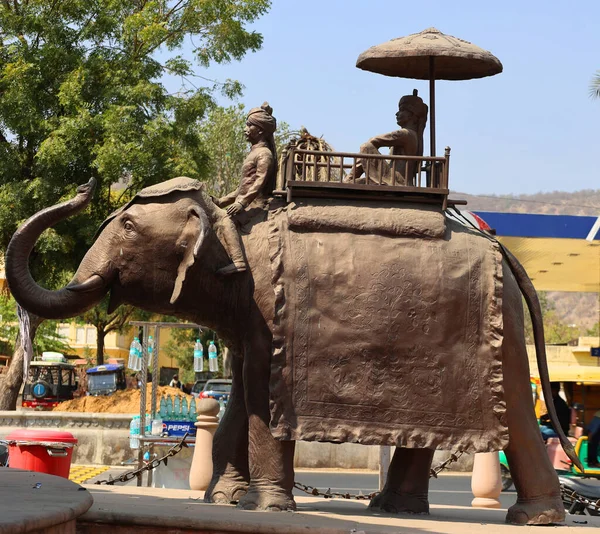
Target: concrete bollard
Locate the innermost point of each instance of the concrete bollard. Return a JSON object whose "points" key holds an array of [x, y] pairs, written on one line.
{"points": [[486, 482], [202, 465]]}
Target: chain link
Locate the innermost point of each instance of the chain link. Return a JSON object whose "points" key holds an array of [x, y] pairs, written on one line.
{"points": [[571, 497], [311, 490], [152, 464]]}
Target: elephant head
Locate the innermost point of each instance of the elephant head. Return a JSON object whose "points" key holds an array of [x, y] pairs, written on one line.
{"points": [[143, 253]]}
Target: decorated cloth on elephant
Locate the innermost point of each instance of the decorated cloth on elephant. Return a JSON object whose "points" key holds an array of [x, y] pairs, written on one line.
{"points": [[400, 369]]}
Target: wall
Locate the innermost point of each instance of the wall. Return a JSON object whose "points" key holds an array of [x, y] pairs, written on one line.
{"points": [[104, 439]]}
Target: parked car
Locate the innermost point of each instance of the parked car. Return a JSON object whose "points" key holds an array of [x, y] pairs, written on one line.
{"points": [[106, 379], [198, 387], [48, 383], [217, 388]]}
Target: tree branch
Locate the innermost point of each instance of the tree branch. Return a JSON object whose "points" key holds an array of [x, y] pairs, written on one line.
{"points": [[174, 10]]}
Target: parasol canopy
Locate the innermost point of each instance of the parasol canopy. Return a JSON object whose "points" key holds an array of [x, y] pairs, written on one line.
{"points": [[430, 55]]}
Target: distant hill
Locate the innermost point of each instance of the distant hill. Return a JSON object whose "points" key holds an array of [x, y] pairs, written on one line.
{"points": [[585, 202], [573, 308]]}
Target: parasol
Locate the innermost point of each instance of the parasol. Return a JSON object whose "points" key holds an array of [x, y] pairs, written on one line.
{"points": [[430, 55]]}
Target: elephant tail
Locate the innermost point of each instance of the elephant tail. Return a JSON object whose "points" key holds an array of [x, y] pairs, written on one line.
{"points": [[535, 311]]}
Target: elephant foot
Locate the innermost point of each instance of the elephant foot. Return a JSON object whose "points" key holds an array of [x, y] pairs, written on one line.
{"points": [[226, 490], [543, 511], [396, 502], [269, 498]]}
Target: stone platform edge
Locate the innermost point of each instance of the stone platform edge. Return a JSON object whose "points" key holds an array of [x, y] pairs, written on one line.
{"points": [[152, 510]]}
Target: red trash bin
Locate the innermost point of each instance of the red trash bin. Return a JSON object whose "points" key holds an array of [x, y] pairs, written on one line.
{"points": [[44, 451]]}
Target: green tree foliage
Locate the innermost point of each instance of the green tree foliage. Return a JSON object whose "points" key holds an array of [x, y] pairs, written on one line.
{"points": [[556, 331], [180, 348], [105, 323], [47, 338], [81, 96], [594, 331], [223, 139]]}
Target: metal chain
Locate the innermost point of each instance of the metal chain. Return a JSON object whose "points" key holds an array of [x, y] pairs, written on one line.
{"points": [[152, 464], [434, 472], [572, 496], [311, 490]]}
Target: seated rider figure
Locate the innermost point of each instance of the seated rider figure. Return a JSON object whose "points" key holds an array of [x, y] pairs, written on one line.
{"points": [[407, 141], [259, 170]]}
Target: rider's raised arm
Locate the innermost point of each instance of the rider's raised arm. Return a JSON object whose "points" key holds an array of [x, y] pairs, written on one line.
{"points": [[396, 138]]}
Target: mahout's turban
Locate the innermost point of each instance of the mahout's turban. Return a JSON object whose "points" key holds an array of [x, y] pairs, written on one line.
{"points": [[262, 118]]}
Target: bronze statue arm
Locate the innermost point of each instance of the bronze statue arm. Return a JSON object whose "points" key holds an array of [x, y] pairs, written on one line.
{"points": [[391, 139], [227, 199]]}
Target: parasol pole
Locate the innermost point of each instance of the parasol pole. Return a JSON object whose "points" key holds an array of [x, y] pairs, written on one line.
{"points": [[432, 105]]}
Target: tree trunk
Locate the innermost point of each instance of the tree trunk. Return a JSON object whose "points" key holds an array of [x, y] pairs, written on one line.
{"points": [[100, 346], [9, 392]]}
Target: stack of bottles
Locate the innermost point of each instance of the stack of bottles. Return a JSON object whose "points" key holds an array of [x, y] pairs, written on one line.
{"points": [[213, 361], [135, 428], [177, 409], [134, 432], [135, 355]]}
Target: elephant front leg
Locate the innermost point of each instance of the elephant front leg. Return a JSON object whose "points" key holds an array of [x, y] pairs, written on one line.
{"points": [[230, 447], [407, 486], [271, 461]]}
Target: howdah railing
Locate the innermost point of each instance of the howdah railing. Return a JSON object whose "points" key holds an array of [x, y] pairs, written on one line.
{"points": [[322, 173]]}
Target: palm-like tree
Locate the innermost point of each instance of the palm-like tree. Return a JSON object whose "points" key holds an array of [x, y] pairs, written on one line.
{"points": [[595, 85]]}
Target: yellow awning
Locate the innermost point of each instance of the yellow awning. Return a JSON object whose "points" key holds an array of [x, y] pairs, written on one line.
{"points": [[572, 373]]}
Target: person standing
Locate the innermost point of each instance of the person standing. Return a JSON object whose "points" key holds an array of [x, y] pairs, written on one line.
{"points": [[175, 383]]}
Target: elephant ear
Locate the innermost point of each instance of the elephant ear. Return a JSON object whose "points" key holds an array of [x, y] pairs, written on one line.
{"points": [[191, 240]]}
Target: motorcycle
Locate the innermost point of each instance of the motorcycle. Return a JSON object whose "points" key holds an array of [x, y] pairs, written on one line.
{"points": [[579, 496]]}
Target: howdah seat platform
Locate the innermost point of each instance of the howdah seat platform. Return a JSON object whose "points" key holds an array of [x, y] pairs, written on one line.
{"points": [[318, 173]]}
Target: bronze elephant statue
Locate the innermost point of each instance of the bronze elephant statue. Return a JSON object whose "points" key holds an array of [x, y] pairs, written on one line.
{"points": [[355, 321]]}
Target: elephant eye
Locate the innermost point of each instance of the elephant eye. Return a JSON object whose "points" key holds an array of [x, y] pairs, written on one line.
{"points": [[129, 227]]}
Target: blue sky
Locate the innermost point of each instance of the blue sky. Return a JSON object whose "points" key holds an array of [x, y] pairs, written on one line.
{"points": [[531, 128]]}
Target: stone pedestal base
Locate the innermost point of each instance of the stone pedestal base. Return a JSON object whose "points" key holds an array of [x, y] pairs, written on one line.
{"points": [[37, 503], [202, 465], [486, 482]]}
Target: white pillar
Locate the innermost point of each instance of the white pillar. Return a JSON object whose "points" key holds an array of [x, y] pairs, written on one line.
{"points": [[384, 464], [486, 482], [202, 465]]}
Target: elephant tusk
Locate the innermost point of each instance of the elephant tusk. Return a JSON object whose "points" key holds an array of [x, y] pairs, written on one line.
{"points": [[93, 283]]}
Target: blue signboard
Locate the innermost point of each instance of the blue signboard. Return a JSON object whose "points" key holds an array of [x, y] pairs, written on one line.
{"points": [[39, 390], [595, 351]]}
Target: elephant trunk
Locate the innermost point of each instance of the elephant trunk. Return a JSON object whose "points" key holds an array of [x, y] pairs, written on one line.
{"points": [[82, 293], [531, 298]]}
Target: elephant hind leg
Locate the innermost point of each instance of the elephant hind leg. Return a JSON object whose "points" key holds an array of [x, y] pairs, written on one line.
{"points": [[538, 490], [407, 486]]}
